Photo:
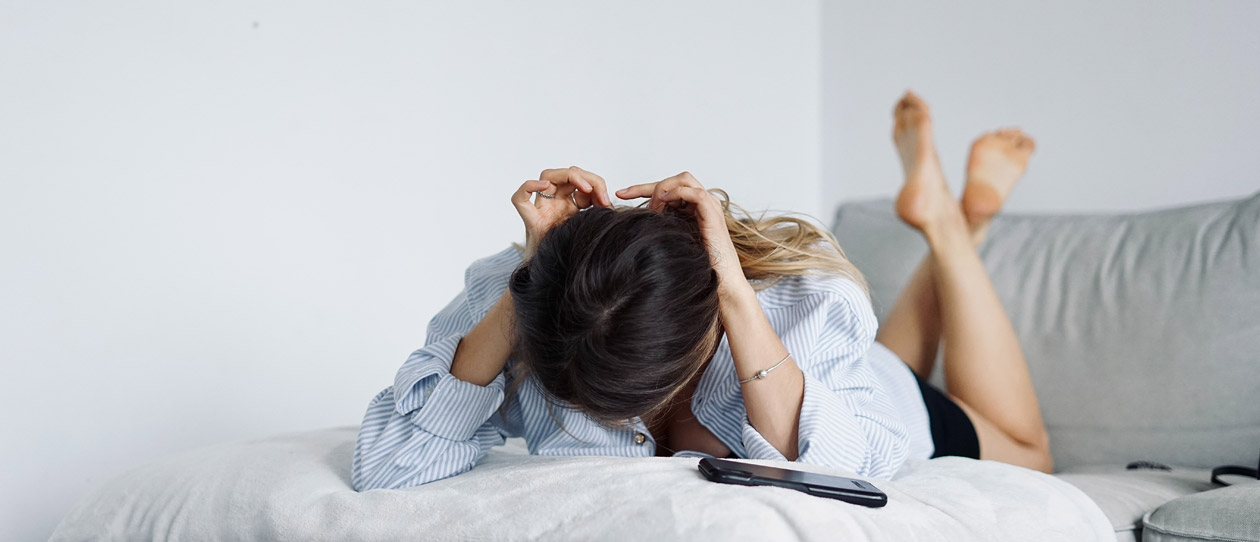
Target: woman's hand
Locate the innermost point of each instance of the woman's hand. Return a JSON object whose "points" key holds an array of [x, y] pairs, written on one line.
{"points": [[571, 189], [685, 192]]}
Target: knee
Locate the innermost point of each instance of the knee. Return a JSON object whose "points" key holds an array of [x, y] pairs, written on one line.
{"points": [[1044, 462], [1034, 452], [1042, 459]]}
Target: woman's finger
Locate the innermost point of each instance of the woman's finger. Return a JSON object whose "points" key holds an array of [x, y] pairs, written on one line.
{"points": [[568, 181], [520, 198], [575, 180], [681, 180], [688, 194], [582, 199], [655, 189], [704, 203], [636, 191], [528, 188], [599, 188]]}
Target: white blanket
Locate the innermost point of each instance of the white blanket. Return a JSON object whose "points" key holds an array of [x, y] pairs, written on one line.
{"points": [[296, 487]]}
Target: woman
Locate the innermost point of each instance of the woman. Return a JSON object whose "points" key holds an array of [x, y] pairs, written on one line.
{"points": [[677, 329]]}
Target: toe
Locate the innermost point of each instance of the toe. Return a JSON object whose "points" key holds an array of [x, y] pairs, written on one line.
{"points": [[989, 138], [911, 101], [903, 105]]}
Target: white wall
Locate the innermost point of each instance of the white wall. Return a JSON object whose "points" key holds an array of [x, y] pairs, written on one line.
{"points": [[223, 221], [1133, 104]]}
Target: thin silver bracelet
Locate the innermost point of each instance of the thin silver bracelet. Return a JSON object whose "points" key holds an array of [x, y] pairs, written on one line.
{"points": [[762, 373]]}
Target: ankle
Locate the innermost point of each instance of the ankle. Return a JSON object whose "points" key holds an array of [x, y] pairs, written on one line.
{"points": [[946, 225], [978, 230]]}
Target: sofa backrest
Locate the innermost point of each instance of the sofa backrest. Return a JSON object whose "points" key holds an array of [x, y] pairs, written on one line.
{"points": [[1142, 331]]}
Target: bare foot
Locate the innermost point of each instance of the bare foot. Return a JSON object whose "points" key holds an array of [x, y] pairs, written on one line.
{"points": [[998, 159], [925, 200]]}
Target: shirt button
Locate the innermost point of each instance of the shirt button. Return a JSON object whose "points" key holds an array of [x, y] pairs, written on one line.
{"points": [[640, 438]]}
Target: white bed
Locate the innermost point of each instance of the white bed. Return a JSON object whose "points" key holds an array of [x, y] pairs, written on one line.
{"points": [[296, 487]]}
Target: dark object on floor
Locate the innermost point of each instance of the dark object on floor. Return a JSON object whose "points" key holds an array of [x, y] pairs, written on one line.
{"points": [[1147, 465]]}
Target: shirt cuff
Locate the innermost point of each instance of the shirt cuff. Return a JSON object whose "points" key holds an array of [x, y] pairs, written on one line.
{"points": [[456, 408], [419, 375], [438, 402]]}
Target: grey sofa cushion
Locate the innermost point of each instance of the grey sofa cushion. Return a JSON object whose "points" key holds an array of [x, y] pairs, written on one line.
{"points": [[1127, 495], [1142, 330], [1231, 513]]}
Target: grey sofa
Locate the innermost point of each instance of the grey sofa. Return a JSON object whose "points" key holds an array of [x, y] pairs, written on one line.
{"points": [[1142, 332]]}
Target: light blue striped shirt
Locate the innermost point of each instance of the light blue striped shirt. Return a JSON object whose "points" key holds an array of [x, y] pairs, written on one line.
{"points": [[430, 425]]}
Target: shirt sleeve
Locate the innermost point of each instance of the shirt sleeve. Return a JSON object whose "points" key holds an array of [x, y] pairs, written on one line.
{"points": [[847, 420], [431, 425]]}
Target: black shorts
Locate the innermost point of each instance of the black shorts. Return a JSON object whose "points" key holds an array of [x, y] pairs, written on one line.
{"points": [[952, 431]]}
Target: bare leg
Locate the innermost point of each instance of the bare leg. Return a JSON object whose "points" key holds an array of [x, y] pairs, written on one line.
{"points": [[998, 159], [985, 370], [912, 329]]}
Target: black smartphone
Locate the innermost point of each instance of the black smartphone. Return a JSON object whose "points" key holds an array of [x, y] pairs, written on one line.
{"points": [[836, 487]]}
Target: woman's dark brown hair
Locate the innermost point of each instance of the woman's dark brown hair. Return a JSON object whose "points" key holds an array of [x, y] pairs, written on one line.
{"points": [[615, 312], [618, 310]]}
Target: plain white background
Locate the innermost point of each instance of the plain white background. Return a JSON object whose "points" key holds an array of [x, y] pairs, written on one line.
{"points": [[219, 222]]}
